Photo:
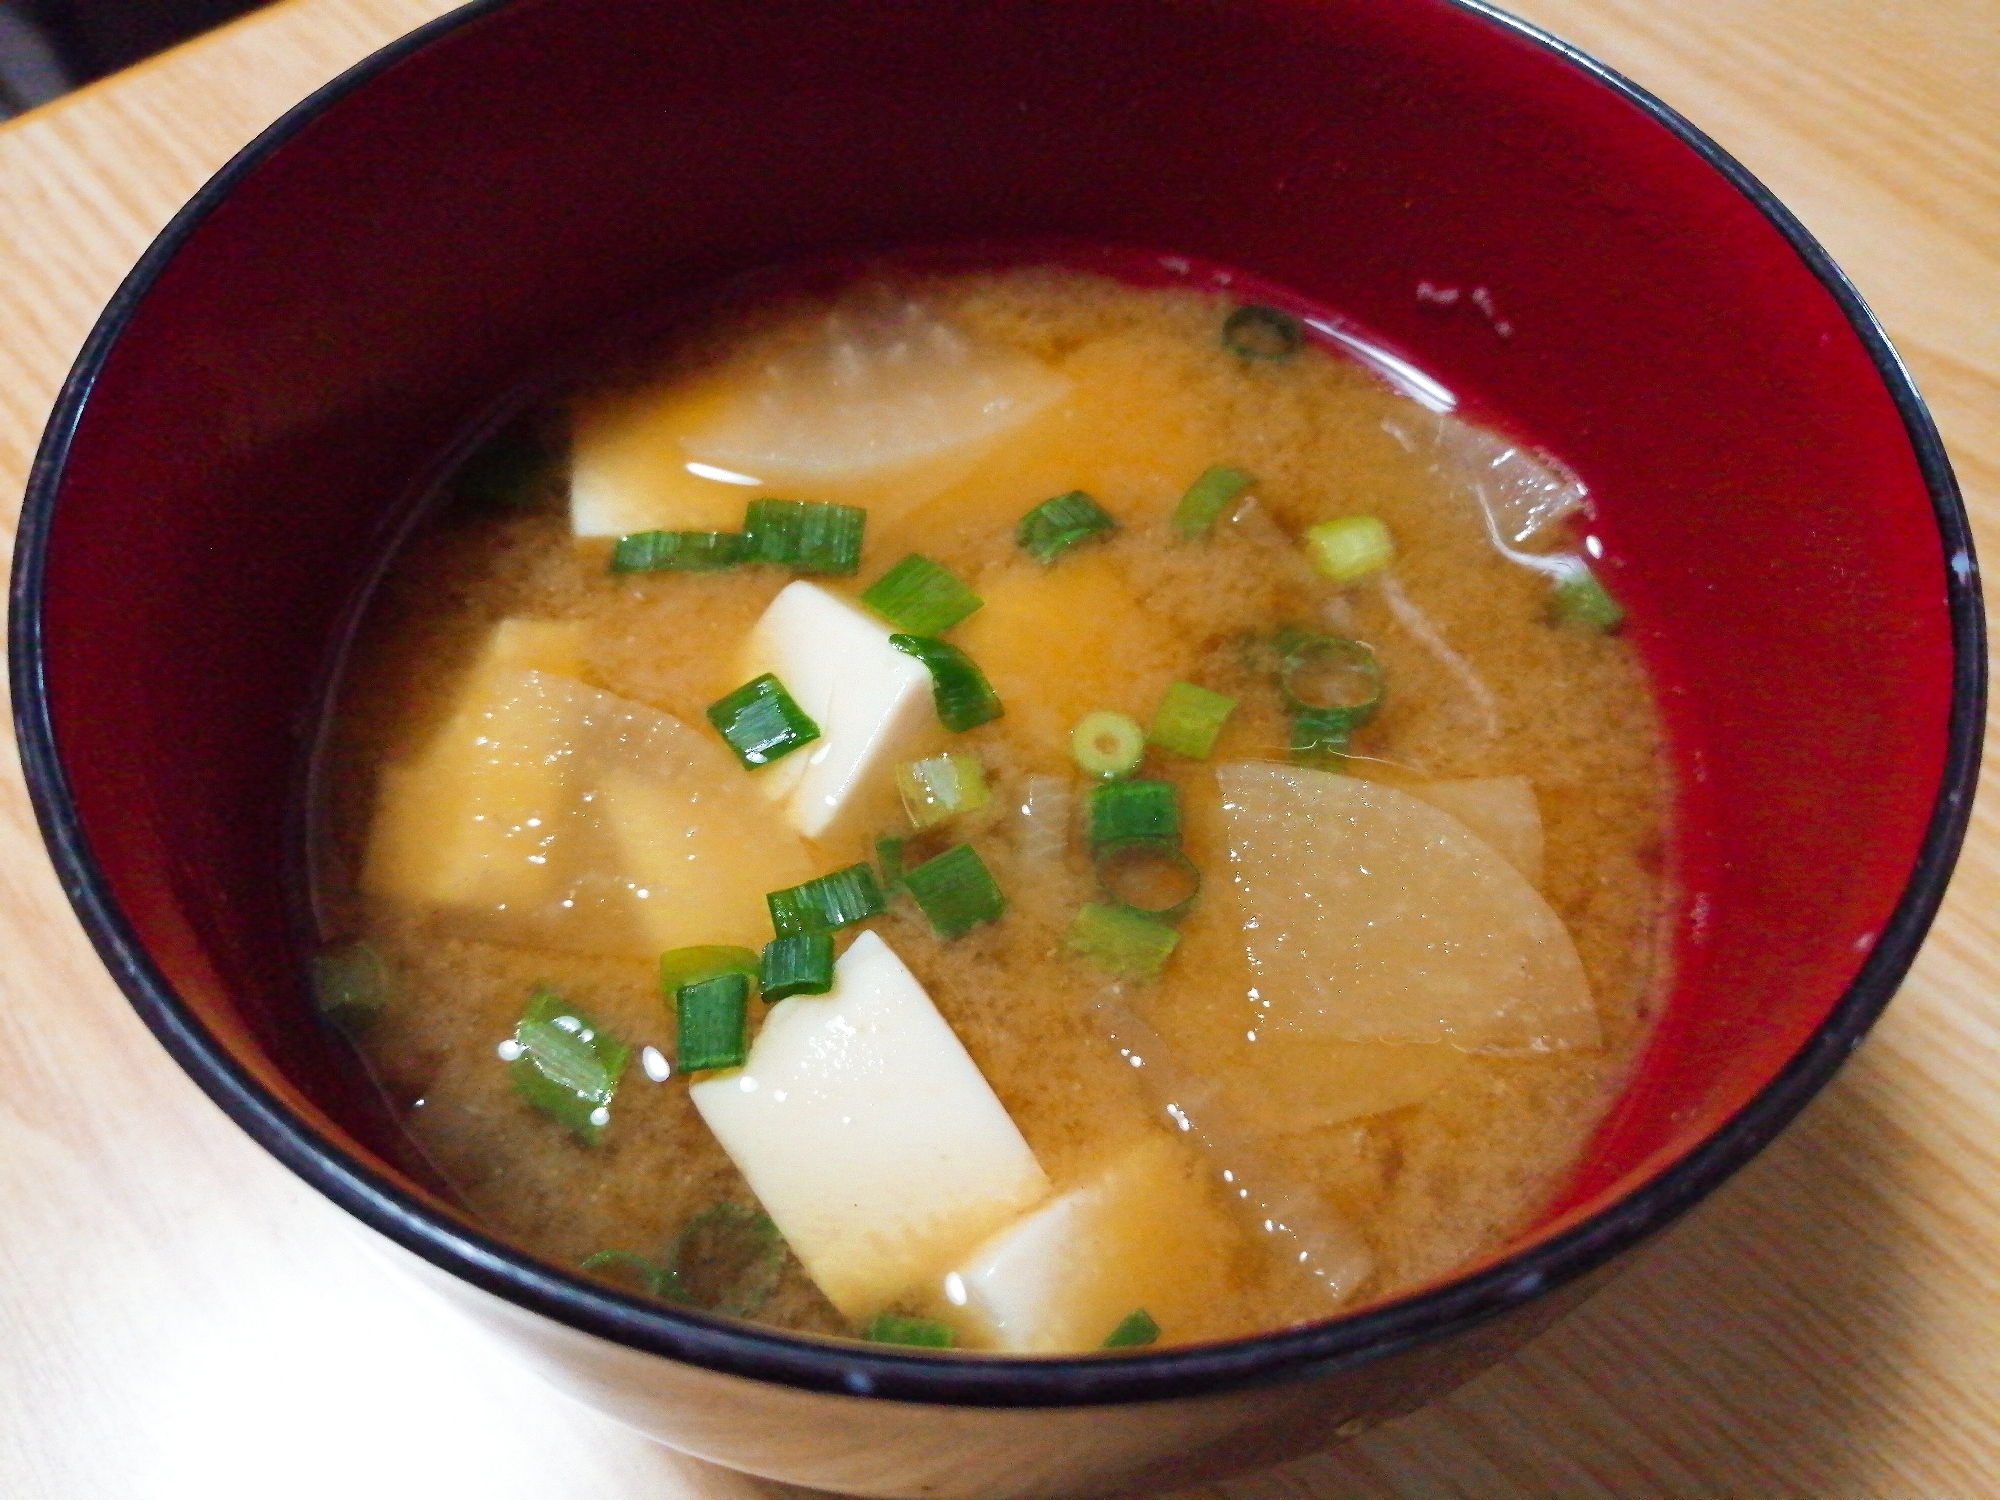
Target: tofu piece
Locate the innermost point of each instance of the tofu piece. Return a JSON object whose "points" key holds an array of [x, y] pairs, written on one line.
{"points": [[872, 703], [870, 1136], [1146, 1233], [546, 813], [1058, 642]]}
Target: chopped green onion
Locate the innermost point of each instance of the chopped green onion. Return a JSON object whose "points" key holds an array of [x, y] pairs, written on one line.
{"points": [[827, 903], [1055, 526], [1122, 941], [807, 536], [681, 967], [919, 1333], [625, 1270], [1350, 548], [1107, 745], [1137, 1331], [941, 787], [1134, 810], [506, 471], [920, 596], [1582, 602], [728, 1260], [1206, 499], [1329, 677], [1150, 876], [1258, 332], [1320, 737], [762, 722], [351, 985], [677, 551], [712, 1023], [889, 855], [964, 698], [956, 891], [566, 1065], [1189, 719], [799, 963]]}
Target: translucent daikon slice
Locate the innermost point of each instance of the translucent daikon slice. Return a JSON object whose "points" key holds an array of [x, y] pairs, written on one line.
{"points": [[1501, 809], [546, 813], [1370, 915], [880, 384]]}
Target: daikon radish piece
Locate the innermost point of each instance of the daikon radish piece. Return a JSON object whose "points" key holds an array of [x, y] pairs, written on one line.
{"points": [[546, 813], [1370, 915], [1501, 809], [870, 1136], [877, 401]]}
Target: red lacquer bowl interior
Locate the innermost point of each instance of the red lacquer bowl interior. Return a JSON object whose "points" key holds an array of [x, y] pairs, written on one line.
{"points": [[325, 323]]}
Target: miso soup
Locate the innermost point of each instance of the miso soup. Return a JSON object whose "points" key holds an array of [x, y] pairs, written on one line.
{"points": [[1003, 811]]}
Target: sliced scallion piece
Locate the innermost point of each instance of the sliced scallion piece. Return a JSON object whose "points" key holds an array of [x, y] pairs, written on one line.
{"points": [[1151, 876], [918, 1333], [827, 903], [941, 787], [1134, 810], [807, 536], [680, 967], [566, 1065], [762, 722], [921, 596], [726, 1261], [1258, 332], [889, 855], [799, 963], [1121, 941], [1107, 745], [956, 891], [712, 1020], [1330, 677], [1350, 548], [964, 698], [1320, 737], [677, 551], [1189, 719], [1582, 602], [1206, 499], [351, 985], [627, 1271], [1135, 1332], [1055, 526]]}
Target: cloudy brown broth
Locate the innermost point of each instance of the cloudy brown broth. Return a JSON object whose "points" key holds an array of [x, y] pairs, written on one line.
{"points": [[1381, 1150]]}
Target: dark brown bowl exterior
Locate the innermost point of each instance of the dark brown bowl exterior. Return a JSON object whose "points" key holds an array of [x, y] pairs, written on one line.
{"points": [[330, 317]]}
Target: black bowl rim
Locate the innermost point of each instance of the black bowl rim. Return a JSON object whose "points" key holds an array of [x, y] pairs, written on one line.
{"points": [[860, 1370]]}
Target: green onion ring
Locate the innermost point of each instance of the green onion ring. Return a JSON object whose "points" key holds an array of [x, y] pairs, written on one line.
{"points": [[1120, 857]]}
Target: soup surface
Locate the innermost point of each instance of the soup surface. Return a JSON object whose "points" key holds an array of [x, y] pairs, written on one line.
{"points": [[1295, 978]]}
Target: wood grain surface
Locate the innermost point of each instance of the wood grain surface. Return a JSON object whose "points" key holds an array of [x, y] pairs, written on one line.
{"points": [[180, 1317]]}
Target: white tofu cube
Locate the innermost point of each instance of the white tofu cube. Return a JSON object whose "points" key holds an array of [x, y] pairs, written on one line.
{"points": [[1147, 1233], [870, 1137], [872, 703]]}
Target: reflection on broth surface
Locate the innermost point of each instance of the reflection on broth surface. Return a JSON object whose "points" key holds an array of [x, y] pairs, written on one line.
{"points": [[1163, 842]]}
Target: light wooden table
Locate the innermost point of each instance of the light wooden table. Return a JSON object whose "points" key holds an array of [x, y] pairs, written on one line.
{"points": [[179, 1317]]}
